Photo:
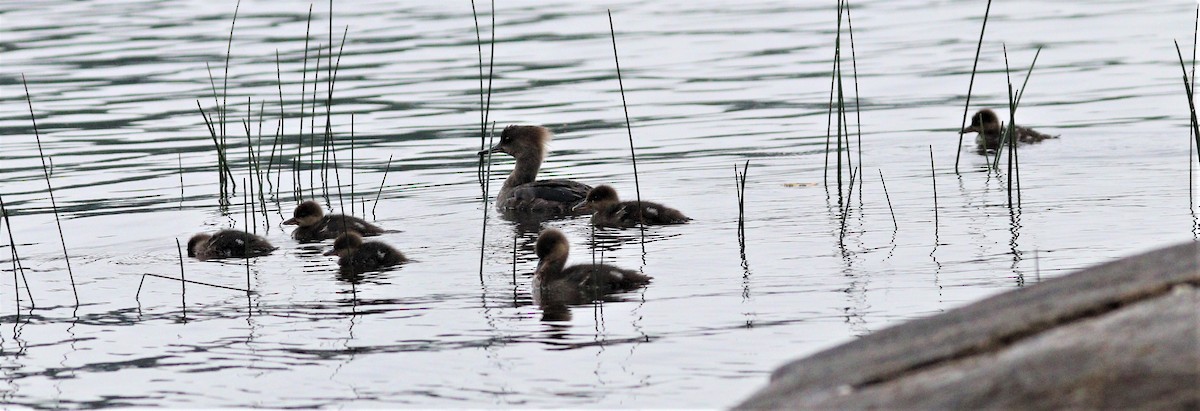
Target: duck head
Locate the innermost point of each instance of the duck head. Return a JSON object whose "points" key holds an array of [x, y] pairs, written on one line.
{"points": [[307, 214], [599, 198], [197, 244], [552, 250], [346, 244], [522, 142], [984, 122]]}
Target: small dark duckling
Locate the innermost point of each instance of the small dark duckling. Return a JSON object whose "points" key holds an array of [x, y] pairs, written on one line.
{"points": [[357, 256], [313, 225], [987, 124], [609, 211], [228, 244], [580, 283], [527, 144]]}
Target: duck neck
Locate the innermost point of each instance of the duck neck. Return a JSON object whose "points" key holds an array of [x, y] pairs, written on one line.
{"points": [[991, 136], [524, 172], [550, 268]]}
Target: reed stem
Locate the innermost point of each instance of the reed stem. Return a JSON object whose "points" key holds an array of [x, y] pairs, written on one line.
{"points": [[381, 182], [487, 182], [245, 221], [629, 129], [225, 85], [933, 176], [484, 105], [182, 279], [16, 260], [1191, 145], [192, 282], [971, 85], [181, 196], [740, 181], [1012, 127], [889, 201], [845, 210], [50, 189], [303, 95], [832, 84], [857, 108], [1187, 86]]}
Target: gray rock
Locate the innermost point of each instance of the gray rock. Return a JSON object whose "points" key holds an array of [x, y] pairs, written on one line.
{"points": [[1121, 335]]}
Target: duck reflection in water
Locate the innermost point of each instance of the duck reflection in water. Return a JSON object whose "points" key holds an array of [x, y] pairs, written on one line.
{"points": [[522, 192], [228, 244], [987, 124], [355, 256], [556, 285], [313, 225]]}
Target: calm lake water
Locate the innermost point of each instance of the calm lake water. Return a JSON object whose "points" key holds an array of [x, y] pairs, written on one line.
{"points": [[709, 84]]}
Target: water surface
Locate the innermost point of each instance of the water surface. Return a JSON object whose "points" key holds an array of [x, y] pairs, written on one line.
{"points": [[709, 85]]}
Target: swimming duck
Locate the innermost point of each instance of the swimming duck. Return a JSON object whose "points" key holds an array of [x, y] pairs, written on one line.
{"points": [[357, 256], [987, 124], [609, 211], [228, 244], [580, 283], [527, 144], [313, 225]]}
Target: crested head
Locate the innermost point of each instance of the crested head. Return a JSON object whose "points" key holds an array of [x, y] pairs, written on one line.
{"points": [[307, 213], [552, 244], [524, 142], [197, 241], [602, 194], [346, 243]]}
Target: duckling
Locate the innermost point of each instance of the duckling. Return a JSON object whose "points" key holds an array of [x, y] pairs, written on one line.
{"points": [[228, 244], [527, 144], [313, 225], [356, 256], [580, 283], [987, 124], [609, 211]]}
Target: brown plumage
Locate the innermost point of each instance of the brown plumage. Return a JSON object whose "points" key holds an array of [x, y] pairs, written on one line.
{"points": [[581, 283], [313, 225], [228, 244], [356, 256], [609, 211], [522, 191], [987, 124]]}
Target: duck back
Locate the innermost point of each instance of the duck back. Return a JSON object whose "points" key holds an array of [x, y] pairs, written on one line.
{"points": [[237, 244], [372, 256], [626, 214], [555, 196], [584, 283], [334, 225]]}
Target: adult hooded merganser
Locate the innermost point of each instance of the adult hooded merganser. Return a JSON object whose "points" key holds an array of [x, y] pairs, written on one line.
{"points": [[527, 144], [580, 283], [313, 225], [987, 124], [228, 244], [357, 256], [609, 211]]}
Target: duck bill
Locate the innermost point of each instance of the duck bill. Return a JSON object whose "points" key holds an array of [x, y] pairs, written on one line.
{"points": [[330, 253], [581, 206], [492, 150], [970, 129], [291, 221]]}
